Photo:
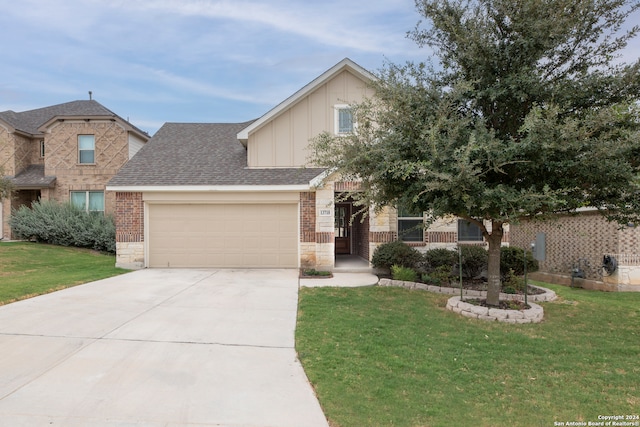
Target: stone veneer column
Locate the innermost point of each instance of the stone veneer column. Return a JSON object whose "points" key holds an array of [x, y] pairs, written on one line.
{"points": [[325, 233], [307, 230]]}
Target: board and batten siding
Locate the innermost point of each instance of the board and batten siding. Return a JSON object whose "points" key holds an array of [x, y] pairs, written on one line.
{"points": [[284, 141]]}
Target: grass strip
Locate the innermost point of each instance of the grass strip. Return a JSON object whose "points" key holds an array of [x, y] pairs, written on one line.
{"points": [[381, 356], [28, 269]]}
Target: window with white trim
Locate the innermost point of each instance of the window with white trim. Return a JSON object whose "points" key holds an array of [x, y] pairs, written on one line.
{"points": [[42, 148], [90, 201], [410, 225], [86, 149], [343, 119], [468, 231]]}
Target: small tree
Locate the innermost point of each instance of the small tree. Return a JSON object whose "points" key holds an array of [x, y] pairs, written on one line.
{"points": [[6, 186], [525, 117]]}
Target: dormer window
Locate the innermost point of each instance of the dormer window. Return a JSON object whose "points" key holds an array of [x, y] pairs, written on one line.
{"points": [[344, 123], [86, 149]]}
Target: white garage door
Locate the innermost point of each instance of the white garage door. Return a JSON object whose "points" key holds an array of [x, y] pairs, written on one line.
{"points": [[223, 235]]}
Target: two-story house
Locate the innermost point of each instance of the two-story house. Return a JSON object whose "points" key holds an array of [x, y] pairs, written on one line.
{"points": [[65, 152], [243, 195]]}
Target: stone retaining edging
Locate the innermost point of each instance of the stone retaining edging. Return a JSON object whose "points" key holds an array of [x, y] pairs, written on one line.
{"points": [[530, 315], [549, 295]]}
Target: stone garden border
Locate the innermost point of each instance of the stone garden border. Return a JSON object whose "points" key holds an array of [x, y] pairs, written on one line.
{"points": [[531, 315]]}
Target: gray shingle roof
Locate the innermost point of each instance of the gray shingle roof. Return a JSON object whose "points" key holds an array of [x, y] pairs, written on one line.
{"points": [[30, 121], [201, 154], [33, 177]]}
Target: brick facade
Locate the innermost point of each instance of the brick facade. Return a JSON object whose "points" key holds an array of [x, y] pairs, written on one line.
{"points": [[383, 236], [441, 236], [129, 230], [308, 217], [61, 158], [17, 152], [346, 186], [361, 231], [129, 217], [582, 240]]}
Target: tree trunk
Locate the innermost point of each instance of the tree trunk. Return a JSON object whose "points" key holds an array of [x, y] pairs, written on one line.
{"points": [[493, 271]]}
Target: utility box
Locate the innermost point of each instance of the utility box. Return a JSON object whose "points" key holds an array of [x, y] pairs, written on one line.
{"points": [[540, 247]]}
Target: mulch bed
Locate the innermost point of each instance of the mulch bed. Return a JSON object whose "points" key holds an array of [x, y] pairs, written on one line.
{"points": [[503, 305]]}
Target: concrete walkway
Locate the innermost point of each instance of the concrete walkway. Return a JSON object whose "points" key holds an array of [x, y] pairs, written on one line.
{"points": [[341, 280], [158, 348]]}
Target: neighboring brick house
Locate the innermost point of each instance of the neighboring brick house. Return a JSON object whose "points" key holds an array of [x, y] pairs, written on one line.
{"points": [[241, 195], [64, 152], [580, 242]]}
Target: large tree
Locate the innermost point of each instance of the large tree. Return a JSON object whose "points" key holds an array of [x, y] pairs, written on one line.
{"points": [[525, 114]]}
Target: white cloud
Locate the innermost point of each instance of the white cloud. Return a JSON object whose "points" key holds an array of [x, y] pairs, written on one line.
{"points": [[337, 24]]}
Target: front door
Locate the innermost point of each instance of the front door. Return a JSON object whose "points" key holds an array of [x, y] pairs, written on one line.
{"points": [[343, 228]]}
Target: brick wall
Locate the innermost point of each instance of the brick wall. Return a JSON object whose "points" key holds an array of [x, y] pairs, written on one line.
{"points": [[361, 236], [129, 217], [24, 152], [629, 242], [7, 161], [586, 236], [441, 236], [61, 157], [340, 187], [308, 217]]}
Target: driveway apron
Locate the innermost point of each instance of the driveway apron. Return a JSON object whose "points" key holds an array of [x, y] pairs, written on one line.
{"points": [[158, 348]]}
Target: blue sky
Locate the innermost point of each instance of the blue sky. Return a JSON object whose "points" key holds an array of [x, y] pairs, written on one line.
{"points": [[157, 61]]}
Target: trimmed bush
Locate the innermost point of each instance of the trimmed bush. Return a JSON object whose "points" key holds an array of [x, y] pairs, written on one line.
{"points": [[435, 258], [511, 259], [396, 253], [441, 276], [403, 273], [65, 225], [474, 260]]}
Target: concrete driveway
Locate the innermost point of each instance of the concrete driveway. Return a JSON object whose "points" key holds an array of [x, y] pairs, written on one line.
{"points": [[158, 348]]}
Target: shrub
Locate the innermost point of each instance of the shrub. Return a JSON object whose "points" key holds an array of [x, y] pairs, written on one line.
{"points": [[314, 272], [435, 258], [396, 253], [512, 283], [65, 225], [511, 259], [439, 277], [474, 260], [405, 274]]}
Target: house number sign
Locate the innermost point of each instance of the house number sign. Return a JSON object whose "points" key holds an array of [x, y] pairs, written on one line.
{"points": [[325, 212]]}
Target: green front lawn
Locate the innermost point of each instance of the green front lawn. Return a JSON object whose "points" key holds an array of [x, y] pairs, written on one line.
{"points": [[29, 269], [384, 356]]}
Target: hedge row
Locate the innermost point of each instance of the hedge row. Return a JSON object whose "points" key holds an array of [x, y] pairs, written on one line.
{"points": [[64, 224], [474, 259]]}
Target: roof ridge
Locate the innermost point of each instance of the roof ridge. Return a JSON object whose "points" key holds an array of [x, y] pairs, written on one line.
{"points": [[30, 120]]}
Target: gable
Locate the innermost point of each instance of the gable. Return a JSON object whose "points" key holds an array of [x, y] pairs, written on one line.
{"points": [[281, 138]]}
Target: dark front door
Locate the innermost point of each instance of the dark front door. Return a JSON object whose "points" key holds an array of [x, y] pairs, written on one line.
{"points": [[343, 228]]}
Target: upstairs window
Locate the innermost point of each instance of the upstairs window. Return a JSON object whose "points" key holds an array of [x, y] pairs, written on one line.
{"points": [[86, 149], [343, 120], [42, 148], [468, 231], [90, 201], [410, 225]]}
